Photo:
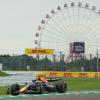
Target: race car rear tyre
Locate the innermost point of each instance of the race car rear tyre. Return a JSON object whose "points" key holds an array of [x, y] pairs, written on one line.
{"points": [[61, 87], [15, 89]]}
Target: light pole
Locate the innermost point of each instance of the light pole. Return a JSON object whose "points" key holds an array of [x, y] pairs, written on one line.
{"points": [[97, 61]]}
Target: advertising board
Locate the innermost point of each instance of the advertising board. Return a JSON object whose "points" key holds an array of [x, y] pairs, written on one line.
{"points": [[78, 47], [39, 51]]}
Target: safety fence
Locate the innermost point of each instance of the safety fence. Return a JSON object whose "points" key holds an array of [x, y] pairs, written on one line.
{"points": [[58, 62]]}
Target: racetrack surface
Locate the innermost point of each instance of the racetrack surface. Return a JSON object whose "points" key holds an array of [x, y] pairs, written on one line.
{"points": [[17, 77], [83, 95], [70, 97]]}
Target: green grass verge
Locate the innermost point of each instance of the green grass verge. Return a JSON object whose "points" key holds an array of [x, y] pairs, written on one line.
{"points": [[3, 74], [74, 84], [3, 90], [83, 83]]}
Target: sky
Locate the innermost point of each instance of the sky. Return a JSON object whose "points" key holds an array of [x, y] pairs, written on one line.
{"points": [[19, 20]]}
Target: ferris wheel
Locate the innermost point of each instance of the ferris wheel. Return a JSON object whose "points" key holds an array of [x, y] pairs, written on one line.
{"points": [[67, 24]]}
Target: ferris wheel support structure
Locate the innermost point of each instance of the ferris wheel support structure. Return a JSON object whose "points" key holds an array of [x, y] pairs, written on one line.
{"points": [[68, 24]]}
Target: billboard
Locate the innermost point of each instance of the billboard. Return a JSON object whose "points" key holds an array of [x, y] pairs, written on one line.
{"points": [[39, 51], [78, 47]]}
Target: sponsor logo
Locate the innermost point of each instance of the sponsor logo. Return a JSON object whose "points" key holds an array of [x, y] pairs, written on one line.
{"points": [[39, 51]]}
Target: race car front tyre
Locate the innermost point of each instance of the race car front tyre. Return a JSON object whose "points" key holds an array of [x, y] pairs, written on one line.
{"points": [[14, 89]]}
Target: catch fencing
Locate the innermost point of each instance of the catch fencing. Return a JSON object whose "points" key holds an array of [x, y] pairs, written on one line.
{"points": [[59, 62]]}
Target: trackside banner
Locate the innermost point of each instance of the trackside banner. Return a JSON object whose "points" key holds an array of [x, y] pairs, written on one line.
{"points": [[39, 51], [73, 74]]}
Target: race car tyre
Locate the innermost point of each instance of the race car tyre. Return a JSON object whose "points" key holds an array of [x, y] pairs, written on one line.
{"points": [[40, 88], [61, 87], [14, 89]]}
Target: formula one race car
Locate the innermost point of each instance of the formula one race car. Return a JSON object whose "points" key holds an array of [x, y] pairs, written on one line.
{"points": [[39, 86]]}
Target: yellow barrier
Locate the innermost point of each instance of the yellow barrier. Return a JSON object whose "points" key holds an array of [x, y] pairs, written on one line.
{"points": [[73, 74], [62, 74]]}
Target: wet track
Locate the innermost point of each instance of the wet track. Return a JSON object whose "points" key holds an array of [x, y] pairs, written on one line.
{"points": [[17, 77], [83, 95], [73, 97]]}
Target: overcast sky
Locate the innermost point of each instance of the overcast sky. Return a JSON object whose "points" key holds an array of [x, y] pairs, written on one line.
{"points": [[19, 20]]}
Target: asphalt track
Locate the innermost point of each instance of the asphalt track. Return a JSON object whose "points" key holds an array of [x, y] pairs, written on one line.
{"points": [[79, 97], [83, 95], [17, 77]]}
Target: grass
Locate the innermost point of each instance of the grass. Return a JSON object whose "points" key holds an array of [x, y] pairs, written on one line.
{"points": [[83, 83], [74, 84], [3, 90], [3, 74]]}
